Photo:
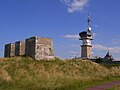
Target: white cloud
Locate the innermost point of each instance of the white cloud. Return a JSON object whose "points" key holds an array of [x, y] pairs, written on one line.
{"points": [[96, 25], [116, 41], [74, 36], [74, 54], [75, 45], [94, 34], [113, 49], [75, 5]]}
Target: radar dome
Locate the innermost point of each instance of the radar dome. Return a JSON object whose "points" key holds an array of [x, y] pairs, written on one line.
{"points": [[89, 28]]}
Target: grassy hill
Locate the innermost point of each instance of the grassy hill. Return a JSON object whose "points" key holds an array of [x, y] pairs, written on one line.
{"points": [[24, 73], [115, 88]]}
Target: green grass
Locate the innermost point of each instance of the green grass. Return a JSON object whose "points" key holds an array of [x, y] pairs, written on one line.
{"points": [[24, 73], [111, 65], [115, 88]]}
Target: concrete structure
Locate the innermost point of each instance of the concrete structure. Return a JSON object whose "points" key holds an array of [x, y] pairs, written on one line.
{"points": [[108, 59], [9, 50], [19, 48], [108, 56], [36, 47], [86, 37], [39, 48]]}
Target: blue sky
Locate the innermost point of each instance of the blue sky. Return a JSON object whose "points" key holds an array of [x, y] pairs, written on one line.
{"points": [[62, 20]]}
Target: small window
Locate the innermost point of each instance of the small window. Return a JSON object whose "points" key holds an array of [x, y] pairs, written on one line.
{"points": [[37, 47], [50, 49], [89, 56]]}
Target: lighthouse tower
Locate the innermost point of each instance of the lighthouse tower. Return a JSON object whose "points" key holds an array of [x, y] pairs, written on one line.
{"points": [[86, 37]]}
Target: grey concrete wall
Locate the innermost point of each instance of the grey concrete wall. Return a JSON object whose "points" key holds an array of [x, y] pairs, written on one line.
{"points": [[39, 48], [86, 51], [30, 47], [9, 50], [36, 47], [19, 48]]}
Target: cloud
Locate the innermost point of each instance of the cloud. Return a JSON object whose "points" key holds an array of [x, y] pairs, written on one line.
{"points": [[75, 45], [113, 49], [94, 34], [74, 36], [75, 5], [101, 48], [116, 41], [74, 54], [96, 25]]}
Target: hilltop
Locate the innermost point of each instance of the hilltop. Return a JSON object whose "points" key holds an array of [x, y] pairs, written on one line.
{"points": [[24, 73]]}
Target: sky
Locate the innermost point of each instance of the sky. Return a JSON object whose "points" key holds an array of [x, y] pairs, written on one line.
{"points": [[62, 20]]}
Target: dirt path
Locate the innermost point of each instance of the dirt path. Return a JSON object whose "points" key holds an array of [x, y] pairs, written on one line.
{"points": [[105, 86]]}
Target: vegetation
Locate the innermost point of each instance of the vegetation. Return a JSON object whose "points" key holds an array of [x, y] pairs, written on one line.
{"points": [[115, 88], [111, 65], [98, 60], [24, 73]]}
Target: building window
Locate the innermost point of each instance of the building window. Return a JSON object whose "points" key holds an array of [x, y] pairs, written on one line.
{"points": [[37, 47], [50, 49], [89, 56]]}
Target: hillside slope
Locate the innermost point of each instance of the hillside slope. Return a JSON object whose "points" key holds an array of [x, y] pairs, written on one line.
{"points": [[24, 73]]}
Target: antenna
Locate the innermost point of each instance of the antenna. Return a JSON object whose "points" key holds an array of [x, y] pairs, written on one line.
{"points": [[89, 19]]}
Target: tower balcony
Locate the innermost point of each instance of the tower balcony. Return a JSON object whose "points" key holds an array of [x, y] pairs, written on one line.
{"points": [[83, 38], [86, 35]]}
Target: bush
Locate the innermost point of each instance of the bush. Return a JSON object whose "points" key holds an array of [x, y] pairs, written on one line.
{"points": [[98, 60]]}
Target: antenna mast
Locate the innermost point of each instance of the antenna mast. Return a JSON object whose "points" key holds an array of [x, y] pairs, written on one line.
{"points": [[89, 19]]}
